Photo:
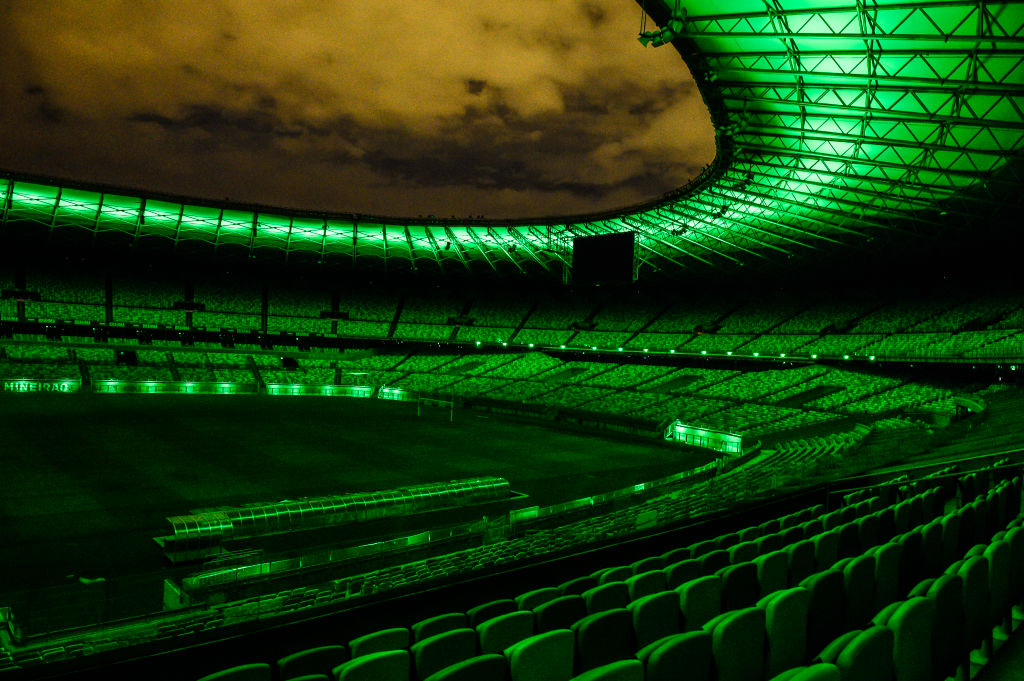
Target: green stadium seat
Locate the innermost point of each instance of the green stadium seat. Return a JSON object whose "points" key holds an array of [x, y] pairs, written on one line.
{"points": [[973, 572], [622, 670], [743, 552], [655, 616], [950, 539], [380, 641], [502, 631], [613, 574], [312, 661], [826, 550], [480, 668], [647, 564], [603, 637], [559, 613], [949, 648], [785, 628], [770, 526], [700, 600], [698, 549], [543, 657], [392, 665], [801, 561], [858, 589], [849, 540], [826, 616], [665, 659], [867, 531], [434, 653], [724, 541], [681, 571], [737, 644], [646, 583], [437, 624], [772, 572], [815, 672], [740, 588], [243, 672], [768, 543], [749, 534], [792, 534], [1015, 538], [485, 611], [999, 559], [713, 561], [531, 599], [911, 559], [578, 585], [887, 573], [931, 537], [868, 656], [911, 622], [606, 597], [675, 555]]}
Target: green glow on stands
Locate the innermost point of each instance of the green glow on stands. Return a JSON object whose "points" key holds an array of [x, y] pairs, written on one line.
{"points": [[594, 348], [729, 353], [703, 352], [872, 358], [478, 343], [833, 135], [814, 357], [620, 350], [563, 347], [783, 355], [697, 436], [846, 357], [531, 345], [756, 354]]}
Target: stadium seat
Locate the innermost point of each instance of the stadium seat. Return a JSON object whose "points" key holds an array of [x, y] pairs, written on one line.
{"points": [[242, 672], [932, 544], [887, 573], [606, 597], [973, 572], [867, 531], [911, 559], [603, 637], [434, 653], [379, 641], [1015, 538], [543, 657], [713, 561], [578, 585], [859, 590], [647, 564], [389, 664], [950, 539], [613, 574], [502, 631], [655, 616], [911, 622], [849, 540], [690, 651], [559, 613], [997, 554], [480, 668], [772, 572], [486, 611], [646, 583], [531, 599], [700, 600], [826, 550], [948, 644], [768, 543], [312, 661], [826, 615], [737, 644], [681, 571], [622, 670], [675, 555], [867, 656], [786, 628], [438, 624], [740, 588], [815, 672], [743, 552], [801, 561]]}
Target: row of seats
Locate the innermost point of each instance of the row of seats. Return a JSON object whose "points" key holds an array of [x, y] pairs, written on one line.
{"points": [[708, 621]]}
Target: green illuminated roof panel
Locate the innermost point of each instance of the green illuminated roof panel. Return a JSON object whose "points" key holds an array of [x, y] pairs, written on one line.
{"points": [[835, 121]]}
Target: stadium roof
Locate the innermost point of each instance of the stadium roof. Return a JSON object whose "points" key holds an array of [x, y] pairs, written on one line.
{"points": [[836, 120]]}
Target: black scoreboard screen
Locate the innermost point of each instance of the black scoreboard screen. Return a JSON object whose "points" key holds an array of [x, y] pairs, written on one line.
{"points": [[603, 259]]}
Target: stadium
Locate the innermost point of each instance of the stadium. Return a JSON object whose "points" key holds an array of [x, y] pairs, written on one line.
{"points": [[764, 427]]}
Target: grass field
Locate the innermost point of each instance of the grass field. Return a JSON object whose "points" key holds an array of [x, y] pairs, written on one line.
{"points": [[88, 480]]}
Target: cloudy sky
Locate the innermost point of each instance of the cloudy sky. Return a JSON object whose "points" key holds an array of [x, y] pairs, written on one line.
{"points": [[446, 107]]}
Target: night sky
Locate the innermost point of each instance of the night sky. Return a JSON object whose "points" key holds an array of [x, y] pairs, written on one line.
{"points": [[436, 107]]}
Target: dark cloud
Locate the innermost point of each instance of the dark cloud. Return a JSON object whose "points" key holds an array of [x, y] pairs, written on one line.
{"points": [[554, 108]]}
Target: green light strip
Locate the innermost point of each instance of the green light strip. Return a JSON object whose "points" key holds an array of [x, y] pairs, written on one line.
{"points": [[836, 121]]}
